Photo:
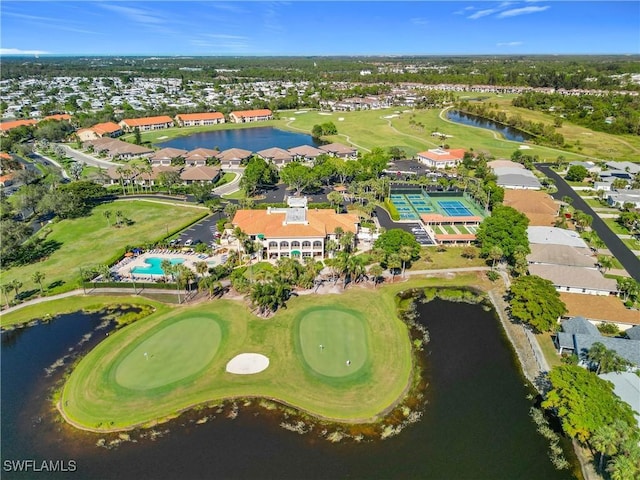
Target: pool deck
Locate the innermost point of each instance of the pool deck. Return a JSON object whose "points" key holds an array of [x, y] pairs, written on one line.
{"points": [[190, 259]]}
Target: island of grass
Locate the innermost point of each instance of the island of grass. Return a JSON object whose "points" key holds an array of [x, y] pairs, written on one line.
{"points": [[347, 361]]}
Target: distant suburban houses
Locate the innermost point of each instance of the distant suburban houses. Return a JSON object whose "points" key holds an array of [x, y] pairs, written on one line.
{"points": [[106, 129]]}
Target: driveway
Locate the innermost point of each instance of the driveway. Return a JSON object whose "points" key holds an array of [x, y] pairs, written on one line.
{"points": [[81, 157], [233, 185], [629, 261]]}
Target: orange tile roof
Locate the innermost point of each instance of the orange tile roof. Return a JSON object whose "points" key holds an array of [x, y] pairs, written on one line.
{"points": [[252, 113], [138, 122], [200, 116], [320, 223], [6, 126], [539, 207], [455, 236], [58, 116], [106, 127], [599, 307], [440, 155]]}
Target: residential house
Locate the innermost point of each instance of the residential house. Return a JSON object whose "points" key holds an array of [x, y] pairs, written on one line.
{"points": [[296, 231], [199, 119], [555, 235], [630, 167], [626, 385], [539, 207], [440, 158], [233, 157], [146, 124], [574, 279], [166, 155], [6, 126], [341, 151], [99, 130], [597, 308], [278, 156], [245, 116], [306, 153], [153, 178], [503, 163], [578, 335], [618, 198], [551, 254], [517, 178], [200, 156], [200, 174], [59, 117], [117, 149]]}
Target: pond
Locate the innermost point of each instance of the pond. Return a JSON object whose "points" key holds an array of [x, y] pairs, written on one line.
{"points": [[475, 423], [473, 120], [253, 139]]}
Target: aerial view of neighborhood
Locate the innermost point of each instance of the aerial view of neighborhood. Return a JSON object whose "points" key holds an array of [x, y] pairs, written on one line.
{"points": [[320, 240]]}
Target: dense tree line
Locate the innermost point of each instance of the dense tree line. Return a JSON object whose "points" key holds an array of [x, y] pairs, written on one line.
{"points": [[568, 72], [612, 113]]}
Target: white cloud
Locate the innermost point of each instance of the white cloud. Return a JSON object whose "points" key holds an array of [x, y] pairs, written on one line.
{"points": [[18, 51], [521, 11], [482, 13], [137, 15], [419, 21], [508, 44]]}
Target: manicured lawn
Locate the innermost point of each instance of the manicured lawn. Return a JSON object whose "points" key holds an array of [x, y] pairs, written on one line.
{"points": [[378, 341], [332, 341], [548, 349], [450, 258], [89, 241], [615, 226]]}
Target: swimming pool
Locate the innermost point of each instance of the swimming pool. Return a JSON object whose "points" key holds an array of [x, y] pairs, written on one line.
{"points": [[154, 267]]}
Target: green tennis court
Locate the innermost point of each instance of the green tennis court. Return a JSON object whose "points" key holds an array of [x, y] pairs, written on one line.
{"points": [[175, 351], [333, 342]]}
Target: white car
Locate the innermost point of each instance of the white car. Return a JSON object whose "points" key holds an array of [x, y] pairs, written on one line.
{"points": [[188, 242]]}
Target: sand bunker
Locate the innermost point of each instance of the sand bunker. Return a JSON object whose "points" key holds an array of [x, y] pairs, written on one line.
{"points": [[247, 363]]}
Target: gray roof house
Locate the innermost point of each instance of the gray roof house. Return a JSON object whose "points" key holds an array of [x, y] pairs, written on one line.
{"points": [[626, 385], [552, 254], [510, 177], [555, 235], [624, 166], [578, 335], [575, 279], [634, 333], [618, 198]]}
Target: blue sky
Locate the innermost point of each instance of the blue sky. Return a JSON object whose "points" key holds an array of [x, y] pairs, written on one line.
{"points": [[111, 27]]}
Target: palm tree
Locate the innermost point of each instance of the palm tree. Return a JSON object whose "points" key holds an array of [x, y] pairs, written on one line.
{"points": [[16, 285], [405, 254], [167, 267], [376, 272], [121, 174], [107, 215], [606, 263], [346, 241], [605, 441], [331, 247], [394, 263], [622, 468], [38, 277], [118, 217], [6, 288], [495, 253], [201, 268]]}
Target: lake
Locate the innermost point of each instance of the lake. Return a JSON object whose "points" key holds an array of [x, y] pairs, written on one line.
{"points": [[475, 121], [475, 423], [253, 139]]}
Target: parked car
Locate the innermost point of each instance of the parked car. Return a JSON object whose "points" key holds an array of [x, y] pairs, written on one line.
{"points": [[188, 242]]}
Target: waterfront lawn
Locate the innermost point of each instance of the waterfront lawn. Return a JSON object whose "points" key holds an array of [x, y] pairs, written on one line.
{"points": [[92, 398], [90, 241]]}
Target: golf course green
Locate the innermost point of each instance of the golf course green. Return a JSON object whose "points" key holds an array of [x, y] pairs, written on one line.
{"points": [[333, 341], [175, 359], [176, 351]]}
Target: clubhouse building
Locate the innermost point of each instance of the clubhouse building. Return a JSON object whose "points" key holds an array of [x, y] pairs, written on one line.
{"points": [[296, 231]]}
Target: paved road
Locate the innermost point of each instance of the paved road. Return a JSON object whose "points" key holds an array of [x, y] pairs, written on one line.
{"points": [[88, 159], [628, 260], [233, 185]]}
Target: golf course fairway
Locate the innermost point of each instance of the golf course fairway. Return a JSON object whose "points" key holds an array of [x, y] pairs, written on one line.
{"points": [[173, 360]]}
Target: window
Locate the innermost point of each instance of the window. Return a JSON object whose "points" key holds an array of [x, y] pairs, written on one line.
{"points": [[317, 244], [295, 244], [306, 244], [284, 244], [273, 244]]}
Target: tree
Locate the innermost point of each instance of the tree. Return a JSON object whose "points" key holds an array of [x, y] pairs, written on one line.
{"points": [[137, 137], [335, 198], [169, 179], [606, 263], [297, 176], [391, 241], [576, 173], [200, 191], [629, 287], [505, 228], [605, 441], [201, 268], [107, 215], [76, 170], [376, 272], [606, 359], [536, 302], [257, 174], [583, 402], [6, 288], [16, 285], [38, 277], [623, 468], [405, 254], [583, 220], [495, 254], [167, 267], [393, 262]]}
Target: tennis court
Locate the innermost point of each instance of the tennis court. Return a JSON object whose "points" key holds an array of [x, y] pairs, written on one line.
{"points": [[454, 208]]}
